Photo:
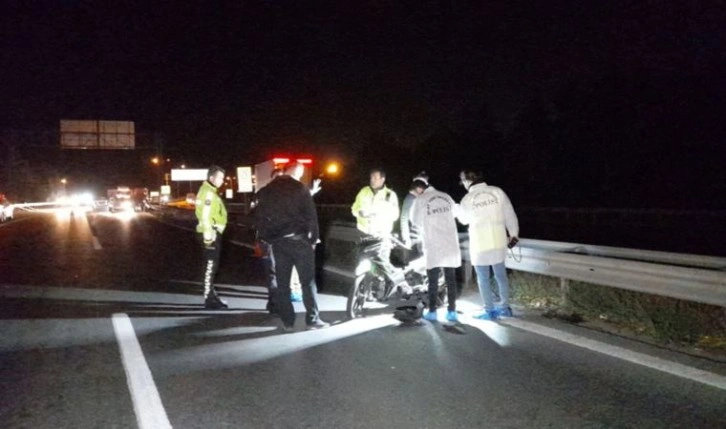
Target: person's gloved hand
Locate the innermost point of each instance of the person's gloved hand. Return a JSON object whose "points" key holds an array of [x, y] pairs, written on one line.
{"points": [[316, 187], [209, 238], [366, 213]]}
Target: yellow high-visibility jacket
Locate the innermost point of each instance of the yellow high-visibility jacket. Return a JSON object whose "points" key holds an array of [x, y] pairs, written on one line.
{"points": [[210, 211], [376, 211]]}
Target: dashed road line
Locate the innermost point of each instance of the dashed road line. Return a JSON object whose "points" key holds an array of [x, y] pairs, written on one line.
{"points": [[150, 413]]}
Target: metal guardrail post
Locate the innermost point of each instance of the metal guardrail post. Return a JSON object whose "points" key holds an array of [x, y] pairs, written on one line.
{"points": [[564, 291]]}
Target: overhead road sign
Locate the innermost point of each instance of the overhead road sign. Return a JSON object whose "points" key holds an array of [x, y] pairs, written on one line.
{"points": [[84, 134]]}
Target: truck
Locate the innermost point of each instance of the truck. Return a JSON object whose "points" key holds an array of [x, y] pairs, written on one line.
{"points": [[119, 199], [124, 199], [263, 171]]}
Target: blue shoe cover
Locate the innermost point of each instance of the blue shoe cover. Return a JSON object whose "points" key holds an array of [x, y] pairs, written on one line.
{"points": [[451, 316], [504, 311], [487, 315], [431, 316]]}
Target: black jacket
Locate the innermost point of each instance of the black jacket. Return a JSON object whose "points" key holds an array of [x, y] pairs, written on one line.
{"points": [[286, 207]]}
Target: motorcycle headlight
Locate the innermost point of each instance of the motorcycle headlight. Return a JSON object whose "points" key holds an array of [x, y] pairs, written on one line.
{"points": [[363, 267]]}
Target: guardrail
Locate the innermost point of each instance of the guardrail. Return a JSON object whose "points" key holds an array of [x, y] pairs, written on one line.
{"points": [[687, 277], [682, 276]]}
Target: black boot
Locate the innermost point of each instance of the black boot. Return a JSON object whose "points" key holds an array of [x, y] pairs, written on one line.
{"points": [[213, 302]]}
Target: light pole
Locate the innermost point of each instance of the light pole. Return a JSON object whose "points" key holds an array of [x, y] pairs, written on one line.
{"points": [[156, 162]]}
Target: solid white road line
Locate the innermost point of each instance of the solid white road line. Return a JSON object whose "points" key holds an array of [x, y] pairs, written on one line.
{"points": [[96, 243], [150, 413], [677, 369]]}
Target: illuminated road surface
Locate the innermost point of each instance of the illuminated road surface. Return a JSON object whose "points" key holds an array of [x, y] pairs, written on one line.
{"points": [[102, 327]]}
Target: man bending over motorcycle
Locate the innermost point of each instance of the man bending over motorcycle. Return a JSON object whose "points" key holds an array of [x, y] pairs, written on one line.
{"points": [[434, 213]]}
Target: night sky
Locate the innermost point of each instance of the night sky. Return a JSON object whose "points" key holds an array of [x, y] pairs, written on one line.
{"points": [[578, 103]]}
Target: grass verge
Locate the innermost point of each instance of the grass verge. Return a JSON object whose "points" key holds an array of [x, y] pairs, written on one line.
{"points": [[698, 328]]}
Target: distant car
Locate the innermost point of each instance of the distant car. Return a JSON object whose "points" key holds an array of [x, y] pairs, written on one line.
{"points": [[141, 205], [101, 205], [7, 211]]}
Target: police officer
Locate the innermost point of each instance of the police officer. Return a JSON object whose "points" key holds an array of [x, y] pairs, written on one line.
{"points": [[286, 218], [376, 210], [212, 217]]}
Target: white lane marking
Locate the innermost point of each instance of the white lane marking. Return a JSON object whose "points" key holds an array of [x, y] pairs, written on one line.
{"points": [[96, 243], [150, 413], [673, 368]]}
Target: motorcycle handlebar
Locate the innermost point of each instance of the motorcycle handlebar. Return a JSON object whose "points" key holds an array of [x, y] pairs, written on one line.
{"points": [[393, 239], [399, 243]]}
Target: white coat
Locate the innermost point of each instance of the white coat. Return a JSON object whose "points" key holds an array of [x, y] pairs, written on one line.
{"points": [[489, 214], [434, 212]]}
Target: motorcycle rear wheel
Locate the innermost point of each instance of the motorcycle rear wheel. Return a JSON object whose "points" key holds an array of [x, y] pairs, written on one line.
{"points": [[358, 294]]}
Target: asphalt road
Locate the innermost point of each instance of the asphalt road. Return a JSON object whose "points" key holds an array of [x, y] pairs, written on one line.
{"points": [[102, 327]]}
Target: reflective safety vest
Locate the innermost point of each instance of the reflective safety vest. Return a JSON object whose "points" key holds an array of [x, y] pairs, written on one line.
{"points": [[380, 210], [210, 211]]}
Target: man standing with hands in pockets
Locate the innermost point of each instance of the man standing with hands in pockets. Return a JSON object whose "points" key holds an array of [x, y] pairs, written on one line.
{"points": [[212, 217], [286, 218]]}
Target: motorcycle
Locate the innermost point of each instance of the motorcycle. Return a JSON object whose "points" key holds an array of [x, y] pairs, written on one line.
{"points": [[405, 288]]}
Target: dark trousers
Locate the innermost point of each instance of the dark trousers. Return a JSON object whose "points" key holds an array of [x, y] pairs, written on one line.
{"points": [[211, 264], [449, 279], [299, 254]]}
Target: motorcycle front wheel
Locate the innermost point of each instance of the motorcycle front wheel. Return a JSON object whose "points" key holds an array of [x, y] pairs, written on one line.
{"points": [[358, 295]]}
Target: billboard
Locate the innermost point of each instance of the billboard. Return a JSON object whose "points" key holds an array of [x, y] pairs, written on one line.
{"points": [[244, 179], [77, 134], [188, 174]]}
